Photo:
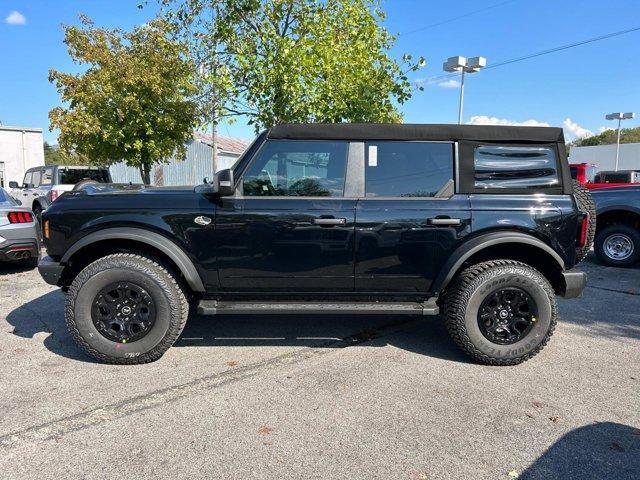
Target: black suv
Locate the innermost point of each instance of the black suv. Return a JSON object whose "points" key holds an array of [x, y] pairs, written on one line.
{"points": [[478, 223]]}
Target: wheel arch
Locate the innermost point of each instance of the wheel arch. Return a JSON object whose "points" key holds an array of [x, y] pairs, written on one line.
{"points": [[492, 246], [615, 214], [119, 238]]}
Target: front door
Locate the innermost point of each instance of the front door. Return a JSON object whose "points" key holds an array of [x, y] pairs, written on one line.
{"points": [[290, 227], [410, 219]]}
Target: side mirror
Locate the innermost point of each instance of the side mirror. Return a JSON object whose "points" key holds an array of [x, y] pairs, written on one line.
{"points": [[13, 184], [221, 185]]}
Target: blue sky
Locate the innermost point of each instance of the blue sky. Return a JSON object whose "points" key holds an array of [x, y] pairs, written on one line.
{"points": [[572, 88]]}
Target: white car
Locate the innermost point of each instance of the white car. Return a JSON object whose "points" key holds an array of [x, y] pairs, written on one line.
{"points": [[18, 232]]}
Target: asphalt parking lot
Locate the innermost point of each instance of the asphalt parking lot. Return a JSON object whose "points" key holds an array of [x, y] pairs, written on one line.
{"points": [[322, 397]]}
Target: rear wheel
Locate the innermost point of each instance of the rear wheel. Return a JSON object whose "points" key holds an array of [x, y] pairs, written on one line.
{"points": [[585, 202], [500, 312], [125, 308], [618, 245]]}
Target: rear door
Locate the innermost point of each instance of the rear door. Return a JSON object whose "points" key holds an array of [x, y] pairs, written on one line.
{"points": [[290, 227], [410, 219]]}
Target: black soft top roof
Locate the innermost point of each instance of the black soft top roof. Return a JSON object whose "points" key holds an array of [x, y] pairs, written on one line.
{"points": [[407, 131]]}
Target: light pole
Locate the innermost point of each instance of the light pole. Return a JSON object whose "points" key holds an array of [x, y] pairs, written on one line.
{"points": [[619, 116], [464, 65]]}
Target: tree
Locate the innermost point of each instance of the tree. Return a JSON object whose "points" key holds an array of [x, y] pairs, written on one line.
{"points": [[278, 61], [53, 155], [627, 135], [133, 102]]}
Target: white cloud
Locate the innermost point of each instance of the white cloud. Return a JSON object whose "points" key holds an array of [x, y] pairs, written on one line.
{"points": [[450, 84], [574, 130], [604, 129], [15, 18], [485, 120]]}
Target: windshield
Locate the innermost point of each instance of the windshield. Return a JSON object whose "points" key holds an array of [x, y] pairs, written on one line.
{"points": [[6, 200], [74, 175]]}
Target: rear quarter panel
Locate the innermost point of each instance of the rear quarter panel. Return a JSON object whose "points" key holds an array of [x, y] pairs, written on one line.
{"points": [[551, 218]]}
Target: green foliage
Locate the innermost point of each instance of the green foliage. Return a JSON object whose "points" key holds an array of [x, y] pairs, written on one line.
{"points": [[627, 135], [279, 61], [57, 156], [133, 102]]}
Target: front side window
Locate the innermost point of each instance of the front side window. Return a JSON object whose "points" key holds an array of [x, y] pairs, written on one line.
{"points": [[36, 179], [297, 168], [408, 169], [515, 167], [27, 178]]}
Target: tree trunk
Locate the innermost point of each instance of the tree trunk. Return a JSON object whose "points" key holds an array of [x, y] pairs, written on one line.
{"points": [[145, 173]]}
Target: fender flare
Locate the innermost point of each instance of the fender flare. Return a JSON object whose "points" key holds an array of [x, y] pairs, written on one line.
{"points": [[477, 244], [42, 202], [153, 239]]}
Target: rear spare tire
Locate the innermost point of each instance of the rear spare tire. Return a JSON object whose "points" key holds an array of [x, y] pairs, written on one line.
{"points": [[585, 202], [500, 312], [125, 309]]}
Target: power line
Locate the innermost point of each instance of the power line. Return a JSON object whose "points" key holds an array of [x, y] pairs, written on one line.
{"points": [[453, 19], [537, 54]]}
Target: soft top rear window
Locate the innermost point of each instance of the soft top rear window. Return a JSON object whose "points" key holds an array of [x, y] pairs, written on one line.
{"points": [[515, 167], [72, 176]]}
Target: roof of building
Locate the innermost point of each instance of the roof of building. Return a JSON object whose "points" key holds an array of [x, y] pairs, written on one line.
{"points": [[20, 129], [406, 131], [225, 144]]}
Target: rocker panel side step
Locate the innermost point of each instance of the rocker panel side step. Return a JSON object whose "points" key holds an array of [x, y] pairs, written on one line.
{"points": [[214, 307]]}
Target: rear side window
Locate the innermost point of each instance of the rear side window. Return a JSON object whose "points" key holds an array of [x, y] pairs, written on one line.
{"points": [[297, 168], [72, 176], [408, 169], [515, 167], [47, 175]]}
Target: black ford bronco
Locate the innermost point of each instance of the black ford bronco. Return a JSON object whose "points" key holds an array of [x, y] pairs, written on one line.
{"points": [[477, 223]]}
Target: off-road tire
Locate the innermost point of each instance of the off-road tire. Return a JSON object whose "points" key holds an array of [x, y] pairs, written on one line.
{"points": [[585, 202], [628, 231], [172, 308], [462, 302]]}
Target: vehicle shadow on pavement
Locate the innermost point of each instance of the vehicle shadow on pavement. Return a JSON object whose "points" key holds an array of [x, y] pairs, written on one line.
{"points": [[609, 304], [599, 451], [422, 335], [10, 268]]}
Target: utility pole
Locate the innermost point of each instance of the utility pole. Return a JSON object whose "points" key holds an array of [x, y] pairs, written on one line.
{"points": [[619, 116], [461, 64]]}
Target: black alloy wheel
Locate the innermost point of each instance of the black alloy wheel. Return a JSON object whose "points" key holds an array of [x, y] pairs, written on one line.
{"points": [[507, 315], [123, 312]]}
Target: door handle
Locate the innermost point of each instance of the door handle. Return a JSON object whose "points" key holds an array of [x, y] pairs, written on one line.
{"points": [[444, 221], [329, 222]]}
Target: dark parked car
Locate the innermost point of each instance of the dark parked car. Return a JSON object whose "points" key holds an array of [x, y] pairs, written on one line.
{"points": [[478, 223], [617, 241]]}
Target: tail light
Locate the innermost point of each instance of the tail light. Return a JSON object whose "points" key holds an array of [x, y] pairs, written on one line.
{"points": [[20, 217], [584, 230], [54, 195]]}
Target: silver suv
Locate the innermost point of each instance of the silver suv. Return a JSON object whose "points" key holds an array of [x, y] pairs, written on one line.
{"points": [[42, 185]]}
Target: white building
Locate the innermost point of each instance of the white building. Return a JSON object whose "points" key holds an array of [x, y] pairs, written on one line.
{"points": [[604, 156], [20, 149]]}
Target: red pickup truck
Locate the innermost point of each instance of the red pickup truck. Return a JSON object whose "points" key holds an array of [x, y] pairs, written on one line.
{"points": [[585, 173]]}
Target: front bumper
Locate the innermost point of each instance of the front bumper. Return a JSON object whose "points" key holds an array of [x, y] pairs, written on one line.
{"points": [[21, 249], [574, 282], [50, 270]]}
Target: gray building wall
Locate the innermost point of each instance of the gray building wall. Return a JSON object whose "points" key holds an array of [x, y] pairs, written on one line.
{"points": [[191, 171], [604, 156]]}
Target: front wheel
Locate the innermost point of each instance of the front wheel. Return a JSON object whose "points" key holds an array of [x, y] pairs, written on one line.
{"points": [[618, 245], [500, 312], [125, 309]]}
